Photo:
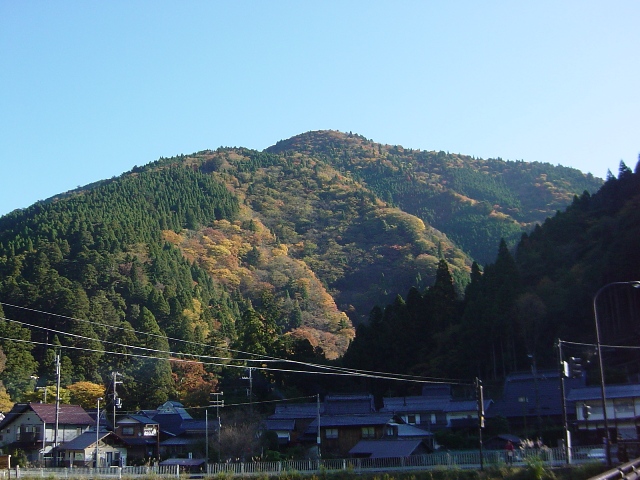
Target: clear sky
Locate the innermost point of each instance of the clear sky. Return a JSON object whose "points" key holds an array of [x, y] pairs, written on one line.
{"points": [[90, 89]]}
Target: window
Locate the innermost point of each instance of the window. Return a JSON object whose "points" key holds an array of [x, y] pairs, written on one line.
{"points": [[368, 432], [331, 433], [127, 430], [623, 406]]}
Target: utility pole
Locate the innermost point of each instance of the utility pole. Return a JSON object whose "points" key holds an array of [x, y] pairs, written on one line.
{"points": [[480, 400], [55, 434], [98, 431], [206, 436], [217, 403], [318, 439], [564, 373], [250, 378], [534, 371], [116, 400]]}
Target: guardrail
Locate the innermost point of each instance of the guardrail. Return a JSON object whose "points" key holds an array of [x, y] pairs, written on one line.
{"points": [[450, 459]]}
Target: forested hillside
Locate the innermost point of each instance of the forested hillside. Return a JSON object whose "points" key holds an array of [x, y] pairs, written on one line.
{"points": [[475, 202], [234, 253], [522, 303]]}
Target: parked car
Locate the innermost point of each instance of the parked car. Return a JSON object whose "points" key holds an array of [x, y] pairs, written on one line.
{"points": [[597, 455]]}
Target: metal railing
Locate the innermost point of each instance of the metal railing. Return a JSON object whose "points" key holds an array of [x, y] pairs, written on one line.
{"points": [[438, 460]]}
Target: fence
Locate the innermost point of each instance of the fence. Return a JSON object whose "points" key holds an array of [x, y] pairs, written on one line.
{"points": [[442, 460]]}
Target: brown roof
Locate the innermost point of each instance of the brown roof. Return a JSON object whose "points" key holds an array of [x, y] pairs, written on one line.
{"points": [[68, 414]]}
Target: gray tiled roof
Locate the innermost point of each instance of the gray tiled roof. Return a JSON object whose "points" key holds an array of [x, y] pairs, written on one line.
{"points": [[405, 430], [83, 441], [288, 425], [611, 392], [415, 404], [351, 420], [420, 404], [142, 419], [386, 448], [349, 404], [296, 410]]}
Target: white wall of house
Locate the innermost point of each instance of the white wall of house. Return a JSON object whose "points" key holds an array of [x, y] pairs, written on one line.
{"points": [[460, 416], [621, 415], [29, 423], [617, 409]]}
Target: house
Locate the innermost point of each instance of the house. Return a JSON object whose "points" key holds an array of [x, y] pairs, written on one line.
{"points": [[428, 413], [81, 451], [464, 413], [141, 435], [31, 428], [291, 420], [435, 410], [180, 434], [623, 412], [340, 433], [530, 399]]}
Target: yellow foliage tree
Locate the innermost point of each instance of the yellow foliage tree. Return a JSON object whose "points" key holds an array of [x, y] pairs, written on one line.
{"points": [[86, 394], [5, 401]]}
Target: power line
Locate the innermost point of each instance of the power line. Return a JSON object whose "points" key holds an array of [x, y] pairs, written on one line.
{"points": [[622, 347], [262, 358], [380, 376]]}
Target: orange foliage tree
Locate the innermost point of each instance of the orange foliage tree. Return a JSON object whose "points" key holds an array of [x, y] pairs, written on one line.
{"points": [[193, 383]]}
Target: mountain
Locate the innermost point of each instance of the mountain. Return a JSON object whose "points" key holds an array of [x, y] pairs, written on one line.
{"points": [[474, 202], [517, 308], [243, 252]]}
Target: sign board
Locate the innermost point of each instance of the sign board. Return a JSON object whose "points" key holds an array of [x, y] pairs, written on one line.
{"points": [[5, 461], [150, 430]]}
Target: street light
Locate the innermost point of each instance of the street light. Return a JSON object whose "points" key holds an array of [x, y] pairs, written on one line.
{"points": [[634, 284], [98, 430]]}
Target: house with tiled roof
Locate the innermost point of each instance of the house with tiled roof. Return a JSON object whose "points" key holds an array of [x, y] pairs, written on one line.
{"points": [[180, 433], [291, 420], [435, 410], [623, 412], [428, 413], [340, 433], [81, 451], [528, 399], [141, 435], [31, 428]]}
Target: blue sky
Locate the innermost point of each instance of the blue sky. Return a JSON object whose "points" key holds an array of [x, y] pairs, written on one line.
{"points": [[90, 89]]}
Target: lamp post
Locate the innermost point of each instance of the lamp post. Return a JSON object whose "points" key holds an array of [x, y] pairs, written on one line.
{"points": [[98, 430], [634, 284]]}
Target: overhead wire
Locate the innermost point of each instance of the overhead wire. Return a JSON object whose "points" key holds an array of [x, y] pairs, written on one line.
{"points": [[262, 358], [381, 376]]}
